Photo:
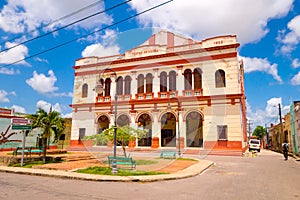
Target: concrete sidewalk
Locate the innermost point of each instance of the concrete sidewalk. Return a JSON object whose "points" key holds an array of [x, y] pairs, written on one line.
{"points": [[190, 171]]}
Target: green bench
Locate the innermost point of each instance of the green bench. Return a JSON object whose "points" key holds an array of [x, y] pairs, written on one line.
{"points": [[18, 150], [27, 151], [122, 161], [168, 154]]}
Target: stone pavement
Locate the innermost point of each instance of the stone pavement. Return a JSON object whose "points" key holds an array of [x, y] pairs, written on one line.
{"points": [[177, 169]]}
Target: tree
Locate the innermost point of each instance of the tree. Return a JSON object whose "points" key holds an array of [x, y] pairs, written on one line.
{"points": [[125, 134], [50, 123], [4, 136], [259, 132]]}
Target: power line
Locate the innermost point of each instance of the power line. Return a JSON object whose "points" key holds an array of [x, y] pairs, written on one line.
{"points": [[53, 22], [60, 28], [75, 39]]}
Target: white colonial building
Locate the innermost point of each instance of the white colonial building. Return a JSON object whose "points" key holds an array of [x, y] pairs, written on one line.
{"points": [[173, 86]]}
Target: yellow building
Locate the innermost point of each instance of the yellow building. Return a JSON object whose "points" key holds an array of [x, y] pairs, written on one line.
{"points": [[173, 86]]}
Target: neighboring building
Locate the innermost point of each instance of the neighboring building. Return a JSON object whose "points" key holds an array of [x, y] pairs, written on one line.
{"points": [[33, 137], [169, 85], [295, 126]]}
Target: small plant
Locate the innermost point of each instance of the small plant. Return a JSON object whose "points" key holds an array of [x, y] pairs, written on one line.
{"points": [[121, 172], [188, 159]]}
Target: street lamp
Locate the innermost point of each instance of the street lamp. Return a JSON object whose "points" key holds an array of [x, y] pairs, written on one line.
{"points": [[178, 125], [99, 89], [179, 152]]}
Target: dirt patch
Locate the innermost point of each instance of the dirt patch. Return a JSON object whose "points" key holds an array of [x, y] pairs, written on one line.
{"points": [[177, 165]]}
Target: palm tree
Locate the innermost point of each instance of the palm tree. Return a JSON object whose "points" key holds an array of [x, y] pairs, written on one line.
{"points": [[50, 123]]}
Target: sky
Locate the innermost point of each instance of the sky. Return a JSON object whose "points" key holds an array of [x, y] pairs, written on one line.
{"points": [[40, 42]]}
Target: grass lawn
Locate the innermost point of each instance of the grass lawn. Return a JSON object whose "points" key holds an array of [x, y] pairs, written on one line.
{"points": [[121, 172], [30, 164]]}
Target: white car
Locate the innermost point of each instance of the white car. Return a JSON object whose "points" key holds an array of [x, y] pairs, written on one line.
{"points": [[254, 144]]}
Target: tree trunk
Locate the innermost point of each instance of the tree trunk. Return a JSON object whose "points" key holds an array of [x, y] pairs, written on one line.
{"points": [[44, 150], [124, 151]]}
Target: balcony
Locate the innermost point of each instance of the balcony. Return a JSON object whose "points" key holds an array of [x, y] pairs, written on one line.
{"points": [[196, 92]]}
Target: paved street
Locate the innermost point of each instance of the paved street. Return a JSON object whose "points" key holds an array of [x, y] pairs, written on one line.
{"points": [[267, 176]]}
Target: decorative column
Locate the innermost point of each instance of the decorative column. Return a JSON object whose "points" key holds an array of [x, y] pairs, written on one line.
{"points": [[156, 83], [155, 131], [133, 84], [180, 81]]}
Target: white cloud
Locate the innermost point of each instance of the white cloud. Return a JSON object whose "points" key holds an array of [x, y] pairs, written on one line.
{"points": [[270, 114], [6, 71], [3, 96], [14, 54], [216, 17], [43, 84], [100, 50], [19, 109], [23, 15], [68, 115], [46, 106], [296, 79], [296, 63], [107, 48], [291, 39], [262, 65]]}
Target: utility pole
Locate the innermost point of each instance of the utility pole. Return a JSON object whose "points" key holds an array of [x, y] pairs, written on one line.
{"points": [[281, 125], [249, 123]]}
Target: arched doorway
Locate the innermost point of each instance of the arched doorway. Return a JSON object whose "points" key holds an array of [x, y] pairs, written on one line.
{"points": [[145, 123], [103, 123], [123, 120], [168, 130], [194, 130]]}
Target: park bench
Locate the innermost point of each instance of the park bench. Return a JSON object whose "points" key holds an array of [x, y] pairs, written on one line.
{"points": [[168, 154], [18, 150], [36, 150], [27, 151], [122, 161]]}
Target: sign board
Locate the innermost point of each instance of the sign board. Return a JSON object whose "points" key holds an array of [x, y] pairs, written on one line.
{"points": [[20, 121], [21, 127]]}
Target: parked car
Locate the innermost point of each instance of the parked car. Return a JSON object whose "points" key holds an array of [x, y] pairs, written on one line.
{"points": [[254, 144]]}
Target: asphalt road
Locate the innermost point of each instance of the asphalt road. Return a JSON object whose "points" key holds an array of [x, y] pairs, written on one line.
{"points": [[267, 176]]}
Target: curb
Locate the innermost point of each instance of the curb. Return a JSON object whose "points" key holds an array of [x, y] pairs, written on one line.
{"points": [[191, 171]]}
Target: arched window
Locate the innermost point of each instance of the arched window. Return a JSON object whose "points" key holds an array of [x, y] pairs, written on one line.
{"points": [[197, 78], [127, 85], [140, 84], [149, 83], [187, 79], [120, 86], [220, 78], [172, 81], [107, 87], [84, 92], [163, 82]]}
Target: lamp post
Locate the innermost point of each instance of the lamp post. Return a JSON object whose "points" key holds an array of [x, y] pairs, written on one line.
{"points": [[179, 152], [99, 89]]}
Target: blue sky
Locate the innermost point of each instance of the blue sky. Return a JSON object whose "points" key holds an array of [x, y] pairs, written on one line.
{"points": [[268, 31]]}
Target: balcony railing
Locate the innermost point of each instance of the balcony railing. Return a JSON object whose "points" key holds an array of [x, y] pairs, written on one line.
{"points": [[196, 92], [141, 96]]}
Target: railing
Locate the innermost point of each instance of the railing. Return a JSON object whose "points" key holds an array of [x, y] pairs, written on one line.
{"points": [[141, 96], [171, 94], [196, 92]]}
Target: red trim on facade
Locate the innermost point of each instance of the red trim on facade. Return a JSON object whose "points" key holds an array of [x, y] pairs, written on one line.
{"points": [[170, 39], [152, 40], [163, 63], [154, 101], [193, 51]]}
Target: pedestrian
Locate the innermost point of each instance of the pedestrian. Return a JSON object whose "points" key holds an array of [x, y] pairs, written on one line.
{"points": [[285, 147]]}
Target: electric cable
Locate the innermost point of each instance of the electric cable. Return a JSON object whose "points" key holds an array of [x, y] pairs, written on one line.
{"points": [[91, 33], [63, 27], [52, 22]]}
